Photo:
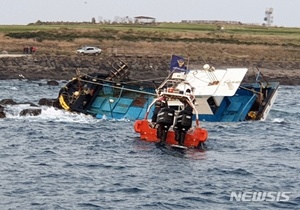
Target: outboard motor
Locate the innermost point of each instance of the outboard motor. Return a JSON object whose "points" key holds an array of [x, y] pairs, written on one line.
{"points": [[165, 119], [183, 124]]}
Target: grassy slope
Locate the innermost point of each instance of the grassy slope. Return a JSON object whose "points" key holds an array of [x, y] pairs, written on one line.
{"points": [[208, 41]]}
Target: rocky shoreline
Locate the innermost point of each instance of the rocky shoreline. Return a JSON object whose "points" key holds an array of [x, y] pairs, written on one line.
{"points": [[35, 67]]}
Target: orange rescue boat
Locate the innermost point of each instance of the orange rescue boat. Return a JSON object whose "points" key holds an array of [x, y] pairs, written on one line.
{"points": [[165, 129]]}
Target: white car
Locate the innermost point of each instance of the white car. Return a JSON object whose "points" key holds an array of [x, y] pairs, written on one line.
{"points": [[89, 51]]}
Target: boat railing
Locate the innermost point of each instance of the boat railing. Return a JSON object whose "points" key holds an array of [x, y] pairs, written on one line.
{"points": [[120, 71], [176, 96], [118, 87], [174, 78]]}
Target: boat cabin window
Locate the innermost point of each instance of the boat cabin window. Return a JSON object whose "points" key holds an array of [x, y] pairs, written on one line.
{"points": [[212, 104], [176, 108]]}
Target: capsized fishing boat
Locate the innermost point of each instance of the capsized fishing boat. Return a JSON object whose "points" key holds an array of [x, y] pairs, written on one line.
{"points": [[110, 96], [220, 94]]}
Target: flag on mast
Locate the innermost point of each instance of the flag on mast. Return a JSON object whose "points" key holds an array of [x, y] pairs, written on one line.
{"points": [[178, 64]]}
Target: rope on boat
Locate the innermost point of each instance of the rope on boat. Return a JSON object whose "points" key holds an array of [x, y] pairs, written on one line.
{"points": [[121, 88], [253, 91], [144, 80], [128, 82], [259, 73], [104, 80]]}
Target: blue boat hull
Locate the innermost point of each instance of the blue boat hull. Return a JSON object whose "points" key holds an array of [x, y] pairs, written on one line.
{"points": [[110, 107], [236, 108], [115, 100]]}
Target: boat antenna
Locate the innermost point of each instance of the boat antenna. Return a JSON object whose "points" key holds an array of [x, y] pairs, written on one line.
{"points": [[78, 74], [260, 73], [188, 63]]}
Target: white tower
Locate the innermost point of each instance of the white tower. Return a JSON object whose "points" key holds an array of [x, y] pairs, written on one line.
{"points": [[268, 16]]}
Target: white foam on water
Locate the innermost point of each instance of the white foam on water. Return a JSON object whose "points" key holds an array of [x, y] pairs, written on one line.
{"points": [[47, 114], [104, 117], [54, 114], [12, 111], [51, 113], [278, 120]]}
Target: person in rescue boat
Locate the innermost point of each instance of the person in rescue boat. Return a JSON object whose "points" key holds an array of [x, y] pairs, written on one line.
{"points": [[184, 120], [161, 128], [164, 119], [159, 104]]}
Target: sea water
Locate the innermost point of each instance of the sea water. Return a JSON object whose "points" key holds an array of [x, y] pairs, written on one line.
{"points": [[61, 160]]}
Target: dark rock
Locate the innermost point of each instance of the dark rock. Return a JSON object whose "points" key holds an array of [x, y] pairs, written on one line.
{"points": [[48, 102], [60, 67], [52, 83], [8, 102], [2, 114], [30, 112]]}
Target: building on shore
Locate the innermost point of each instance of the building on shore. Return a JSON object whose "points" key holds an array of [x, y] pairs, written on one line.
{"points": [[144, 20]]}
